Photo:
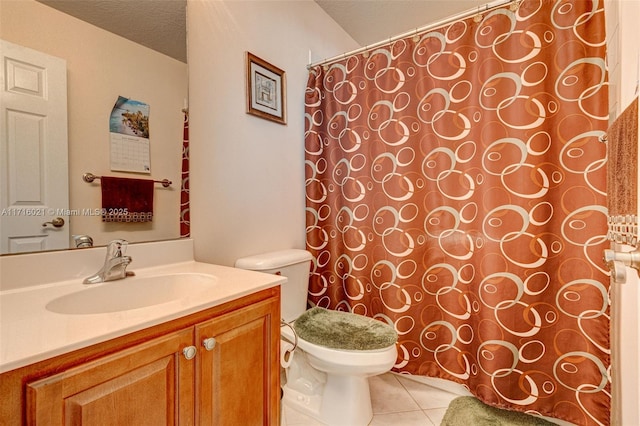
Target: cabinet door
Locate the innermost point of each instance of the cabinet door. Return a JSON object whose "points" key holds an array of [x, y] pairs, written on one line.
{"points": [[238, 374], [148, 384]]}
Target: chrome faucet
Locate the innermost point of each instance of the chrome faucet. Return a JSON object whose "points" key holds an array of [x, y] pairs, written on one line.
{"points": [[83, 241], [115, 264]]}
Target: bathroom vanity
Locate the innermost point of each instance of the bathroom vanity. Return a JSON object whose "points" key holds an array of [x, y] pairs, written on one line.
{"points": [[207, 357]]}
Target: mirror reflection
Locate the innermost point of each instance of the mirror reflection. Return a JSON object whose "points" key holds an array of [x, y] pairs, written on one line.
{"points": [[63, 80]]}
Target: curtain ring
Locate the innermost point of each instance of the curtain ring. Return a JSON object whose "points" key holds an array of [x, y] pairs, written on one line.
{"points": [[478, 16]]}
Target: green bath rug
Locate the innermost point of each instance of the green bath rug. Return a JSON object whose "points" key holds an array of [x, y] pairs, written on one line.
{"points": [[343, 330], [467, 411]]}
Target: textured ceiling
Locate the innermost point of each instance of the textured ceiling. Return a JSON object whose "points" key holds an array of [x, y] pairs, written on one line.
{"points": [[372, 21], [161, 24], [157, 24]]}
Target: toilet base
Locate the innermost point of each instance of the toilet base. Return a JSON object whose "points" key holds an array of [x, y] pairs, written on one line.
{"points": [[343, 401]]}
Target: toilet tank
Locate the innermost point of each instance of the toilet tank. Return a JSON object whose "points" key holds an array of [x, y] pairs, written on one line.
{"points": [[295, 266]]}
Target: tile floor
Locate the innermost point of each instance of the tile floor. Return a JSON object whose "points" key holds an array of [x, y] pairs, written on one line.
{"points": [[396, 401]]}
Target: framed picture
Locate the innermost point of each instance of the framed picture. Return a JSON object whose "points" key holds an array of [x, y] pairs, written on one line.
{"points": [[266, 90]]}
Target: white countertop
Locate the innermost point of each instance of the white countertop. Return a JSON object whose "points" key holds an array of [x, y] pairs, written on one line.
{"points": [[29, 332]]}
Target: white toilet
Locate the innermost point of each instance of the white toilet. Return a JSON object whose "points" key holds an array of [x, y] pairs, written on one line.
{"points": [[335, 353]]}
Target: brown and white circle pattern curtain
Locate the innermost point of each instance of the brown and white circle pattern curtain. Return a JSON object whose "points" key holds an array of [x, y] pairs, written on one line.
{"points": [[185, 212], [455, 189]]}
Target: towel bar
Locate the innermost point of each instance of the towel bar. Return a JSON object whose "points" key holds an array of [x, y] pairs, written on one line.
{"points": [[90, 177]]}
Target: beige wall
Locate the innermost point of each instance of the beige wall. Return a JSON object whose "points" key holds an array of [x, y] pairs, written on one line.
{"points": [[247, 180], [100, 67]]}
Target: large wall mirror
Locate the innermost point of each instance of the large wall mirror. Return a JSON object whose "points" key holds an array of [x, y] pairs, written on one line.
{"points": [[98, 66]]}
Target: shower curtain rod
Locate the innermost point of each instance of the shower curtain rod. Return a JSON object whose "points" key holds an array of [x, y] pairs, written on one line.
{"points": [[438, 24]]}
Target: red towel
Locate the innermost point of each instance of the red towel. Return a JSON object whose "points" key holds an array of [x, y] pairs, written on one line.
{"points": [[126, 200]]}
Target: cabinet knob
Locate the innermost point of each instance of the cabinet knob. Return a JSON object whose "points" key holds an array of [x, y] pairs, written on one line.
{"points": [[189, 352], [209, 343]]}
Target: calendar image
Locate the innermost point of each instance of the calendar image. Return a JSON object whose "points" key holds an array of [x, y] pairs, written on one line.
{"points": [[129, 136]]}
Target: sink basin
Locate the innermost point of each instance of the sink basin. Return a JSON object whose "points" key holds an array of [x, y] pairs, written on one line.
{"points": [[132, 293]]}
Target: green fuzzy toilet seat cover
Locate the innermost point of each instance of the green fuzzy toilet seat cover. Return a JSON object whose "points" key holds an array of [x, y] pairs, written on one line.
{"points": [[344, 330]]}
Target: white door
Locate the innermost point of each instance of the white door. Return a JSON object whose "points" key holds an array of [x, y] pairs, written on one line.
{"points": [[33, 151]]}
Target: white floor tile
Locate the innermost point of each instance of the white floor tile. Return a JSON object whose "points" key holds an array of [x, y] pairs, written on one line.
{"points": [[388, 395], [436, 415], [426, 396], [406, 418]]}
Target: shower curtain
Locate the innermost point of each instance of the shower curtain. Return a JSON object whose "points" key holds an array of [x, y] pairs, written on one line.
{"points": [[455, 187], [185, 214]]}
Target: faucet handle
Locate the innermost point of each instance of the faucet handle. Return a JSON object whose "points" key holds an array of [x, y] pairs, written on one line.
{"points": [[117, 248]]}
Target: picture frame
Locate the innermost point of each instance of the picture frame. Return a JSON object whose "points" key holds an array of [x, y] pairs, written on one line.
{"points": [[266, 90]]}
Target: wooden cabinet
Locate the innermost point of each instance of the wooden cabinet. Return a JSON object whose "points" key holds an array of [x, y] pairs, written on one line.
{"points": [[142, 385], [234, 377], [216, 367]]}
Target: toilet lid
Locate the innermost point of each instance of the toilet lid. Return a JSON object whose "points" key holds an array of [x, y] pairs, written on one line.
{"points": [[344, 330]]}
